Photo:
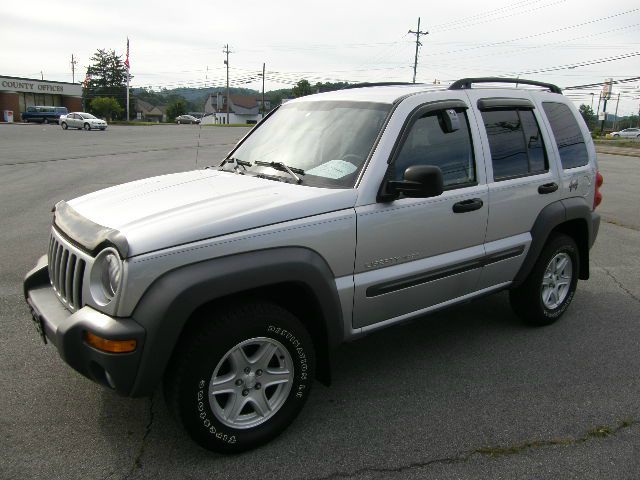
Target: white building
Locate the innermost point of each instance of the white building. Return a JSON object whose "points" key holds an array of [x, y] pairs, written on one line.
{"points": [[242, 109]]}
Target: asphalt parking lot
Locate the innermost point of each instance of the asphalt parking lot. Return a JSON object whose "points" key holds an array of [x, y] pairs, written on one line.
{"points": [[466, 393]]}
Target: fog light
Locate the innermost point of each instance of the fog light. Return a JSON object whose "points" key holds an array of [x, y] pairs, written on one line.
{"points": [[111, 346]]}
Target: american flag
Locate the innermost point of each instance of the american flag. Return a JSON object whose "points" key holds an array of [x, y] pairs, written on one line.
{"points": [[87, 79], [126, 62]]}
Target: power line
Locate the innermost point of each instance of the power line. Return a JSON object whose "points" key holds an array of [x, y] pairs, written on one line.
{"points": [[535, 35], [581, 64], [486, 13], [519, 12]]}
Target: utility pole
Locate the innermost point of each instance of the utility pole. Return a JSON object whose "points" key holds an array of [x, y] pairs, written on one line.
{"points": [[73, 69], [615, 116], [263, 67], [417, 33], [604, 111], [41, 75], [592, 94], [226, 62]]}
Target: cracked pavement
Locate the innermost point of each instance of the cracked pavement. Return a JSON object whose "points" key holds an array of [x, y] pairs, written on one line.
{"points": [[466, 393]]}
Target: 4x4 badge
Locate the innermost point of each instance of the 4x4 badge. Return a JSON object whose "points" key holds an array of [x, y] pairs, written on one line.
{"points": [[573, 185]]}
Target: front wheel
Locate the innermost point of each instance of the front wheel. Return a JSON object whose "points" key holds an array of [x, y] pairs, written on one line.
{"points": [[87, 126], [549, 289], [46, 121], [239, 379], [64, 125]]}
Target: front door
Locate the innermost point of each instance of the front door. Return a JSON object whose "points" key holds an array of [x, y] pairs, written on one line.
{"points": [[413, 253]]}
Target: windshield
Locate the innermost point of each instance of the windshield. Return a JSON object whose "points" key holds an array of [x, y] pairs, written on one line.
{"points": [[86, 115], [329, 141]]}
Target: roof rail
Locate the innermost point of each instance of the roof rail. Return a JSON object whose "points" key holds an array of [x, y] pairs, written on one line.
{"points": [[377, 84], [465, 83]]}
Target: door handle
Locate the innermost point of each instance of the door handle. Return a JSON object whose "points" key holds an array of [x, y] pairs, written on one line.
{"points": [[467, 205], [548, 188]]}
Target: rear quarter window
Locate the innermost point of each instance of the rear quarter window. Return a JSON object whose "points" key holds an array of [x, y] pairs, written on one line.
{"points": [[568, 135]]}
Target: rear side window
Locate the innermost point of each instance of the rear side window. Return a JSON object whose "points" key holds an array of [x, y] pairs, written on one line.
{"points": [[429, 144], [569, 138], [516, 145]]}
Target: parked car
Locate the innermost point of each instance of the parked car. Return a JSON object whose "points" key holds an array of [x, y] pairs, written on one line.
{"points": [[187, 119], [627, 133], [340, 214], [82, 120], [43, 114]]}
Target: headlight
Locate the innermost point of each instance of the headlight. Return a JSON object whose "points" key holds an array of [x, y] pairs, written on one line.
{"points": [[106, 275]]}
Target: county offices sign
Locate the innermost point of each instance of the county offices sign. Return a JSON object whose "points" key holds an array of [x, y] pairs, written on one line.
{"points": [[14, 84]]}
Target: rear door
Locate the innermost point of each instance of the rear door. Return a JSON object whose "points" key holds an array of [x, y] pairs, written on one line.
{"points": [[521, 177], [413, 253]]}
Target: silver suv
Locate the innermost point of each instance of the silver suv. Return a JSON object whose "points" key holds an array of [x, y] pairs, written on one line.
{"points": [[339, 214]]}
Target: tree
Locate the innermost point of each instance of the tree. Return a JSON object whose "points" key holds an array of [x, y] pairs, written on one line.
{"points": [[302, 88], [108, 77], [175, 109], [587, 114], [105, 107]]}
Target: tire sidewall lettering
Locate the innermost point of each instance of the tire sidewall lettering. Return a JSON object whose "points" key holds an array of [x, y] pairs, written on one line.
{"points": [[297, 351], [206, 422]]}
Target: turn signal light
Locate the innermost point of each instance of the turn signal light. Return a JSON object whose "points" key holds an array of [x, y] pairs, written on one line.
{"points": [[597, 199], [110, 346]]}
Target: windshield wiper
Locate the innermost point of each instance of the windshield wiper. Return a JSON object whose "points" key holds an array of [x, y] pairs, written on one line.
{"points": [[283, 168], [237, 161]]}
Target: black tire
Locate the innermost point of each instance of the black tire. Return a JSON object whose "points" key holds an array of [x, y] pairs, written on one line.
{"points": [[45, 121], [25, 120], [64, 125], [87, 126], [201, 351], [527, 299]]}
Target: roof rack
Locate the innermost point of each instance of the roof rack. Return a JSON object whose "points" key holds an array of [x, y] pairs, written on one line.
{"points": [[377, 84], [465, 83]]}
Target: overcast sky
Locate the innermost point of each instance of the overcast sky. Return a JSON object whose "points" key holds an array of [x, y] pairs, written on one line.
{"points": [[182, 45]]}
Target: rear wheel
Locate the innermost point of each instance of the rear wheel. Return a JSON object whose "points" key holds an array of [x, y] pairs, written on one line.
{"points": [[240, 378], [549, 289], [45, 121], [87, 126]]}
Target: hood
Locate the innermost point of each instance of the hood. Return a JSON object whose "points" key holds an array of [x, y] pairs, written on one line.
{"points": [[168, 210]]}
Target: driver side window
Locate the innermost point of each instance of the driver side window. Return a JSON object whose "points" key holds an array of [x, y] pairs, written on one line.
{"points": [[430, 143]]}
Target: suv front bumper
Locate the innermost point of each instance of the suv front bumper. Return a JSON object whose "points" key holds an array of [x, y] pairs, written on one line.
{"points": [[67, 330]]}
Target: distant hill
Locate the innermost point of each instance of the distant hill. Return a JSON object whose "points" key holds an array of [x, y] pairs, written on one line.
{"points": [[196, 97]]}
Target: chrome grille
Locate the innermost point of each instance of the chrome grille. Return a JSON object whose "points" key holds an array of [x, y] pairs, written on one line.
{"points": [[66, 273]]}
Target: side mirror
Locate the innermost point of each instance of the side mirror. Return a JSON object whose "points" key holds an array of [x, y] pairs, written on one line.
{"points": [[420, 181]]}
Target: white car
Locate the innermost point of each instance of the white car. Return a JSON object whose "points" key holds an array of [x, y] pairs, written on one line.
{"points": [[82, 120], [627, 133]]}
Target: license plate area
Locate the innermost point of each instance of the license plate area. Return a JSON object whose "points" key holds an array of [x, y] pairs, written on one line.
{"points": [[38, 323]]}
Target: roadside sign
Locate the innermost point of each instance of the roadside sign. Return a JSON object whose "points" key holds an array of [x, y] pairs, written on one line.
{"points": [[607, 88]]}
